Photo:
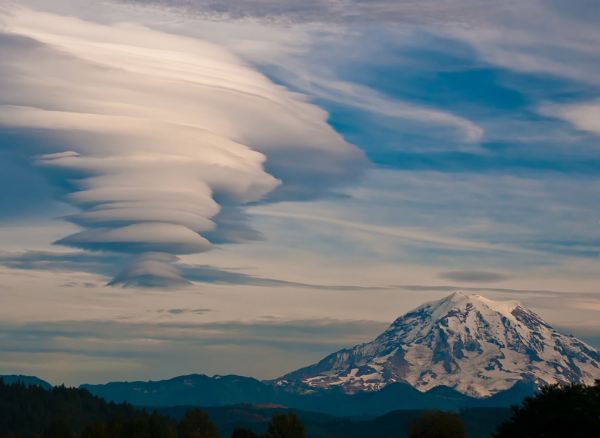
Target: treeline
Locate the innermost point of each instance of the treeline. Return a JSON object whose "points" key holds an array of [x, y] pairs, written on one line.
{"points": [[34, 412]]}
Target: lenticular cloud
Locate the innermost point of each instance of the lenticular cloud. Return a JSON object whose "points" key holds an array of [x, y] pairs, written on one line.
{"points": [[157, 136]]}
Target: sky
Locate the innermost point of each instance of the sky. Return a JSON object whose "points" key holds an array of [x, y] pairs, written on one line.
{"points": [[189, 186]]}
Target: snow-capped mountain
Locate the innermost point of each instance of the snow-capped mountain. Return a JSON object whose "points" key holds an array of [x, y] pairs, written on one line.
{"points": [[467, 342]]}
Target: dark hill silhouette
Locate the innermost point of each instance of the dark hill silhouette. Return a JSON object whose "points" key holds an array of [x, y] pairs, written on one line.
{"points": [[9, 379], [480, 422]]}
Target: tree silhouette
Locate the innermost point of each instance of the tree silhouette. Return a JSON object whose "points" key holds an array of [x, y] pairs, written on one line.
{"points": [[437, 424], [556, 412], [196, 424], [59, 429], [241, 432], [285, 426], [60, 412]]}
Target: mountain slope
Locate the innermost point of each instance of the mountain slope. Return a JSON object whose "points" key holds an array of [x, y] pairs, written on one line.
{"points": [[467, 342]]}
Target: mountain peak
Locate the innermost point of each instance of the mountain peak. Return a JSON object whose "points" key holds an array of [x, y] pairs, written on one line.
{"points": [[457, 296], [454, 299], [471, 343], [463, 300]]}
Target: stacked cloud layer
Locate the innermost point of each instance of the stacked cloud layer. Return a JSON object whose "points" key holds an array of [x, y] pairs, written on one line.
{"points": [[158, 139]]}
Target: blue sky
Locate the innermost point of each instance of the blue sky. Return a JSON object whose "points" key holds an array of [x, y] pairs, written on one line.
{"points": [[345, 163]]}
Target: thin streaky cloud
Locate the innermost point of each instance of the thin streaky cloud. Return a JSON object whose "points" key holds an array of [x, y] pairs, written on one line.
{"points": [[360, 96], [404, 233]]}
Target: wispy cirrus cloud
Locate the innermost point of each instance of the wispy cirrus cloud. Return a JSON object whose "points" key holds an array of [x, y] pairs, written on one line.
{"points": [[474, 276], [351, 11]]}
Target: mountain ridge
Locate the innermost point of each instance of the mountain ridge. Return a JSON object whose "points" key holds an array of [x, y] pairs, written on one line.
{"points": [[202, 390]]}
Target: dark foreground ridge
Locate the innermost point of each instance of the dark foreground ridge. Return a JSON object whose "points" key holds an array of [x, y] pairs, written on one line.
{"points": [[60, 412], [32, 411]]}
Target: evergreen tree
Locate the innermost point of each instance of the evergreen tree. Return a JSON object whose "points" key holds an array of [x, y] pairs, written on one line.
{"points": [[59, 429], [32, 411], [556, 412], [285, 426], [241, 432], [98, 430], [437, 424], [196, 424]]}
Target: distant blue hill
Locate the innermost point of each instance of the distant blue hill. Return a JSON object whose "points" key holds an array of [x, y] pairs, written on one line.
{"points": [[218, 391], [10, 379], [202, 390]]}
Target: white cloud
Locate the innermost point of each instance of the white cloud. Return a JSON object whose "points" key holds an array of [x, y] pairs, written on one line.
{"points": [[584, 116], [150, 129], [560, 39], [359, 96]]}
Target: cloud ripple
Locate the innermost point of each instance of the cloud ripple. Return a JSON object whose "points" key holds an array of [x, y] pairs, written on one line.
{"points": [[154, 135]]}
